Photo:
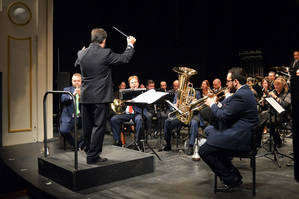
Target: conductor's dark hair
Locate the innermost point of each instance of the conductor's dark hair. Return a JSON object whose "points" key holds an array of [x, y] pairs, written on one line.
{"points": [[98, 35], [238, 74]]}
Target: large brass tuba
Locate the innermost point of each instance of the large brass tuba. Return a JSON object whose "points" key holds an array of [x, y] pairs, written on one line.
{"points": [[185, 94]]}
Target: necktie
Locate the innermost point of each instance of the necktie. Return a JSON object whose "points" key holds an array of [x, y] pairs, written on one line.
{"points": [[130, 109]]}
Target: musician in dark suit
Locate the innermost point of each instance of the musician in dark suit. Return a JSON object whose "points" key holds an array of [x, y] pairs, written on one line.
{"points": [[237, 115], [97, 88], [132, 113], [67, 115], [294, 66]]}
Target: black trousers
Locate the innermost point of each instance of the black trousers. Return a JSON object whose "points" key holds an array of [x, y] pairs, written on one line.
{"points": [[94, 117], [219, 160]]}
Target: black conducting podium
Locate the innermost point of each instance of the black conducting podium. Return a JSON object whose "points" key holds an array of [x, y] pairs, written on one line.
{"points": [[71, 170]]}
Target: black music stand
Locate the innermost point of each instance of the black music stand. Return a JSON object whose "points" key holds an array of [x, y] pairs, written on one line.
{"points": [[274, 151], [148, 98]]}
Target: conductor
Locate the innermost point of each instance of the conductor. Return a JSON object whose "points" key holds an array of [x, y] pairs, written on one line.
{"points": [[97, 89]]}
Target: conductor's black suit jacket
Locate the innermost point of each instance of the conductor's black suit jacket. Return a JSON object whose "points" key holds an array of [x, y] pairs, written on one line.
{"points": [[95, 63]]}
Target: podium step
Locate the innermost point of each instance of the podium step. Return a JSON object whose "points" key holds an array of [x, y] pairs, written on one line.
{"points": [[122, 164]]}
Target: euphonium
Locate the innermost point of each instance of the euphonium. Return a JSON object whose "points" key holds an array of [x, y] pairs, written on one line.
{"points": [[186, 93], [118, 106]]}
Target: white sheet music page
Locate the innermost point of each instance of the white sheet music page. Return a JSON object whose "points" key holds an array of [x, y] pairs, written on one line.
{"points": [[275, 105], [148, 97]]}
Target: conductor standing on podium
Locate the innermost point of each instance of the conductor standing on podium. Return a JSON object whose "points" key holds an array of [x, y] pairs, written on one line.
{"points": [[97, 89]]}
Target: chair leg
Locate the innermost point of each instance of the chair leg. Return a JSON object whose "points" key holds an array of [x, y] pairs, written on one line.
{"points": [[253, 175], [215, 184]]}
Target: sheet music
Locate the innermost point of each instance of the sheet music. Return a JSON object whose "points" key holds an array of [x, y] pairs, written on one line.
{"points": [[148, 97], [275, 105]]}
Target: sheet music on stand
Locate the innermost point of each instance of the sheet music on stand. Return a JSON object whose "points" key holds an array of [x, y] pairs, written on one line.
{"points": [[148, 97], [275, 105]]}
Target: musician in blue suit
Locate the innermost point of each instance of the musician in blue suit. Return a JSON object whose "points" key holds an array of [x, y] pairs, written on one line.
{"points": [[132, 112], [196, 122], [67, 115], [236, 116]]}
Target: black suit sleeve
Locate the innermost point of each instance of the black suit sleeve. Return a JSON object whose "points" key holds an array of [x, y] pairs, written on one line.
{"points": [[115, 58]]}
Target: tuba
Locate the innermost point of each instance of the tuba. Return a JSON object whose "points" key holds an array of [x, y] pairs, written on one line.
{"points": [[185, 94]]}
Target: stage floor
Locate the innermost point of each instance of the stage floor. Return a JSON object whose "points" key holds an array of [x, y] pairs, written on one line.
{"points": [[176, 176]]}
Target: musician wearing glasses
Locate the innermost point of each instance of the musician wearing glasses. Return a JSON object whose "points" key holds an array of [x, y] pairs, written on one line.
{"points": [[236, 115], [97, 88]]}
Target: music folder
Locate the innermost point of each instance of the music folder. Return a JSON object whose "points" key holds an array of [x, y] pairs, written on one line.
{"points": [[148, 97], [275, 105]]}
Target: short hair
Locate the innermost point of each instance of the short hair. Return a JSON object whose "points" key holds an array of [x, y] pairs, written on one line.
{"points": [[238, 74], [274, 73], [98, 35], [150, 82], [133, 77], [76, 74]]}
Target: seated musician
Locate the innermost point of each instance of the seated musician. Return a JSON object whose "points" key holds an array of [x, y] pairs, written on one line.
{"points": [[216, 85], [237, 115], [150, 110], [163, 86], [67, 115], [132, 112], [282, 95], [205, 88], [195, 123]]}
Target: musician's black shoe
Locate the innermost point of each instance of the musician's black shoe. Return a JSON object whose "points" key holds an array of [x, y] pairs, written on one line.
{"points": [[96, 160], [190, 150], [117, 143], [166, 148], [229, 187]]}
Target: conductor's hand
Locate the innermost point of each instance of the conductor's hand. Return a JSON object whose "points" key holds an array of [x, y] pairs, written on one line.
{"points": [[131, 40]]}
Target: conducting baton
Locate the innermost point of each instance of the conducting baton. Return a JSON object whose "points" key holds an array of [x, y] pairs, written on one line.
{"points": [[120, 31]]}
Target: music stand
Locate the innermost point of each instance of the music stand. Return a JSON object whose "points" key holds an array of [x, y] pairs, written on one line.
{"points": [[278, 109], [148, 98]]}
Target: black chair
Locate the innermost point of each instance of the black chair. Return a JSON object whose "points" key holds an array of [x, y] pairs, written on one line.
{"points": [[256, 132]]}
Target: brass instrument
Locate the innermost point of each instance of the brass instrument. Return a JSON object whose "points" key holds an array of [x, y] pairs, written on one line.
{"points": [[118, 106], [185, 93], [186, 115]]}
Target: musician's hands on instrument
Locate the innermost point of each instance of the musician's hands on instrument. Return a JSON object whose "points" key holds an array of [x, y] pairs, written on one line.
{"points": [[211, 100], [272, 94], [131, 40], [76, 91]]}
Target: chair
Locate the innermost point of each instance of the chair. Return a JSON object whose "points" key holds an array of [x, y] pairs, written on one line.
{"points": [[251, 155], [126, 127]]}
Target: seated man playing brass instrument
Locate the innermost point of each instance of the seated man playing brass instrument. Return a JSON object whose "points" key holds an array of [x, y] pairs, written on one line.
{"points": [[172, 123], [131, 112]]}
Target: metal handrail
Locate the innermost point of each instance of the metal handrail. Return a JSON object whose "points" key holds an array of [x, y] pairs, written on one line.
{"points": [[45, 122]]}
